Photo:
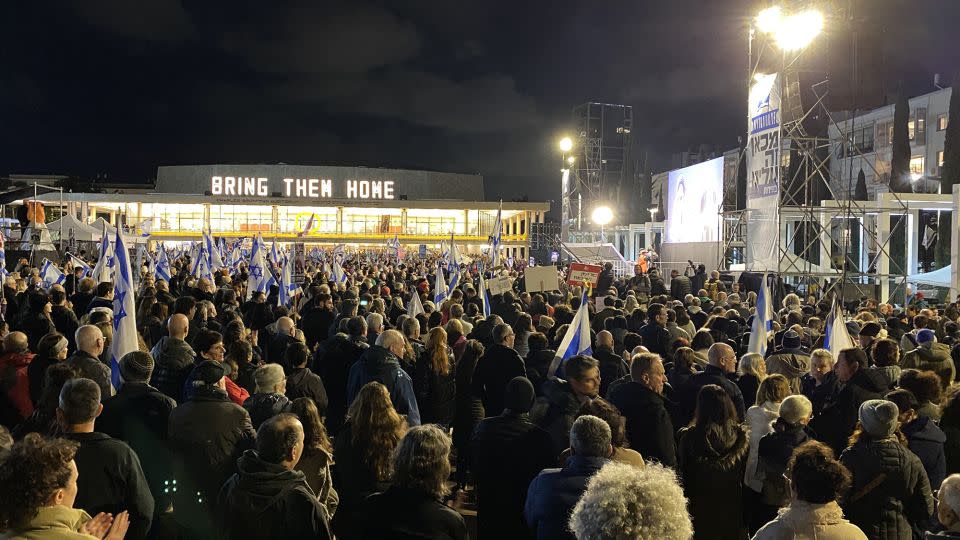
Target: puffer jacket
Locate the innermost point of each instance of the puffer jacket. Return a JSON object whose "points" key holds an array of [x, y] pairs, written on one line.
{"points": [[890, 489], [808, 520], [935, 357], [926, 439], [380, 365], [759, 422], [262, 407], [174, 362], [712, 461]]}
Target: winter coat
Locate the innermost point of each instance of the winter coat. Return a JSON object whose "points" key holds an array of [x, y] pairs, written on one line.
{"points": [[15, 402], [748, 385], [37, 374], [890, 375], [556, 410], [264, 406], [508, 452], [305, 383], [381, 365], [36, 326], [355, 481], [808, 520], [537, 363], [265, 500], [112, 480], [649, 427], [612, 367], [759, 422], [332, 363], [680, 287], [495, 369], [553, 494], [315, 464], [890, 490], [935, 357], [90, 367], [839, 416], [173, 360], [711, 461], [773, 456], [792, 364], [656, 339], [66, 322], [401, 512], [709, 375], [926, 439], [56, 522], [818, 395], [436, 392]]}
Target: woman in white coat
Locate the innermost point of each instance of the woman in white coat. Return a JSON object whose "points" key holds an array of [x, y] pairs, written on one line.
{"points": [[759, 421]]}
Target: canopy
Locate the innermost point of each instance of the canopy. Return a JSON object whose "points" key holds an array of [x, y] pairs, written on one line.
{"points": [[82, 232], [938, 278], [128, 239]]}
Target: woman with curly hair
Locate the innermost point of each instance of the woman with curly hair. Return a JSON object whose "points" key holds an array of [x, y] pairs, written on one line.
{"points": [[39, 479], [317, 454], [362, 453], [434, 379]]}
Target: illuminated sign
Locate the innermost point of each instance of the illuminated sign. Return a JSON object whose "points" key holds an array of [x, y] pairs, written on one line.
{"points": [[305, 188]]}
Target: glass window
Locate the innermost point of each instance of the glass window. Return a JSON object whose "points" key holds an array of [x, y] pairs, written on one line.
{"points": [[176, 217], [942, 122], [240, 218], [916, 165], [293, 219], [427, 222], [940, 159], [883, 171], [371, 220], [921, 118]]}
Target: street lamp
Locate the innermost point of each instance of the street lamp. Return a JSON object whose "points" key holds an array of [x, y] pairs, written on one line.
{"points": [[602, 215], [791, 32], [566, 144], [571, 160]]}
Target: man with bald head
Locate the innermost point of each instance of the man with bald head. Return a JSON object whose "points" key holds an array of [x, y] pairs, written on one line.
{"points": [[721, 360], [612, 365], [381, 363], [173, 357], [15, 405], [86, 359], [277, 347]]}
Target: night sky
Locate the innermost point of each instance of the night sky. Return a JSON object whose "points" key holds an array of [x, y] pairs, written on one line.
{"points": [[119, 87]]}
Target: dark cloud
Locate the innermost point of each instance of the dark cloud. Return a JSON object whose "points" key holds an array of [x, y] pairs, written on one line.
{"points": [[151, 20]]}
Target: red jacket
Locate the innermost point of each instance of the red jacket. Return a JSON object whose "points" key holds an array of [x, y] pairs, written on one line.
{"points": [[13, 377], [237, 393]]}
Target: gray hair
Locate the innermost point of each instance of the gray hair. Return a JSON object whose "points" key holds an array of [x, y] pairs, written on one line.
{"points": [[590, 436], [375, 321], [79, 400], [822, 354], [422, 460], [753, 364], [649, 503], [949, 493]]}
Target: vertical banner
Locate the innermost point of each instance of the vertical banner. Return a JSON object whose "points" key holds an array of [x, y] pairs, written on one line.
{"points": [[299, 263], [763, 174]]}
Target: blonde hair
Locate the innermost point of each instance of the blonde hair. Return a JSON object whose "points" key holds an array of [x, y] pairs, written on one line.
{"points": [[753, 364], [774, 389], [435, 346]]}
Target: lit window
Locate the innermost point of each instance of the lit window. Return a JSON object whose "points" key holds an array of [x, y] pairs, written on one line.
{"points": [[941, 122], [940, 158], [916, 165]]}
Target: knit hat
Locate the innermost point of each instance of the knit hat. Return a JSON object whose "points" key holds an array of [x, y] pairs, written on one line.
{"points": [[926, 336], [871, 329], [879, 417], [136, 366], [791, 340], [853, 328], [267, 377], [519, 395], [210, 372]]}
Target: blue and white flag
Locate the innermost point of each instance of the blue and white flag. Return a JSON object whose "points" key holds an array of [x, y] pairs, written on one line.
{"points": [[454, 279], [440, 286], [103, 270], [484, 296], [495, 238], [762, 320], [79, 263], [124, 314], [836, 337], [274, 256], [337, 273], [214, 260], [288, 288], [415, 306], [577, 339], [453, 260], [162, 266], [50, 274], [3, 260], [257, 281]]}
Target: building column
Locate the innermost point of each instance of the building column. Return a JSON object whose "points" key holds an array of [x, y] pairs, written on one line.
{"points": [[340, 219], [883, 264], [274, 220], [913, 223], [403, 220]]}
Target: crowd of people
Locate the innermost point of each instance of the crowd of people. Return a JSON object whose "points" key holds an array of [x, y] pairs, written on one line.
{"points": [[350, 414]]}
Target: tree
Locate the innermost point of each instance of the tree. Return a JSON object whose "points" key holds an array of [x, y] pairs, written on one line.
{"points": [[949, 173], [662, 207], [860, 191], [899, 181]]}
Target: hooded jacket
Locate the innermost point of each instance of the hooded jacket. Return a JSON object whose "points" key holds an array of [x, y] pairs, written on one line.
{"points": [[808, 520], [553, 494], [934, 358], [379, 364], [839, 416], [773, 456], [265, 500], [792, 364], [498, 365], [926, 439], [264, 406], [711, 462], [760, 420], [174, 362]]}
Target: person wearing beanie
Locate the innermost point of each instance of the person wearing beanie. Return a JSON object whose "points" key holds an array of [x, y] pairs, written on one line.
{"points": [[139, 414], [890, 495], [508, 452], [869, 335], [776, 448], [269, 399], [790, 360], [931, 356]]}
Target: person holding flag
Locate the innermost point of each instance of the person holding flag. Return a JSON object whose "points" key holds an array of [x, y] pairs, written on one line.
{"points": [[124, 313], [257, 280], [440, 286], [577, 339], [288, 289], [103, 270], [495, 238], [50, 274]]}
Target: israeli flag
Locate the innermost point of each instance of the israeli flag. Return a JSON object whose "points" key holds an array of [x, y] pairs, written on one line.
{"points": [[256, 281], [836, 337], [338, 273], [415, 306], [214, 260], [3, 260], [440, 286], [103, 270], [162, 267], [453, 261], [762, 320], [495, 237], [124, 314], [50, 274], [577, 339], [288, 289], [79, 263]]}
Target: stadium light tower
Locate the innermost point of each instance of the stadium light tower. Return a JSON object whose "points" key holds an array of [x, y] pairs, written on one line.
{"points": [[566, 164], [602, 215], [790, 32]]}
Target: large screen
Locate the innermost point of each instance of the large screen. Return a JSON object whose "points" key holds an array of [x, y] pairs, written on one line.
{"points": [[694, 195]]}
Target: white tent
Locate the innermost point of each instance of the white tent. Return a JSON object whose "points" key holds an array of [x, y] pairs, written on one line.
{"points": [[82, 232], [938, 278], [128, 239]]}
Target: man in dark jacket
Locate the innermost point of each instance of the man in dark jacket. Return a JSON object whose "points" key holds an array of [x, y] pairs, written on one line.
{"points": [[656, 337], [698, 278], [856, 384], [267, 497], [86, 360], [554, 492], [301, 382], [111, 479], [604, 280], [174, 358], [280, 341], [640, 400], [498, 366], [722, 360], [609, 311], [104, 297], [207, 434], [138, 415], [332, 363], [317, 318], [680, 286], [82, 297], [63, 317], [269, 399], [612, 365], [508, 452], [562, 399], [381, 363]]}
